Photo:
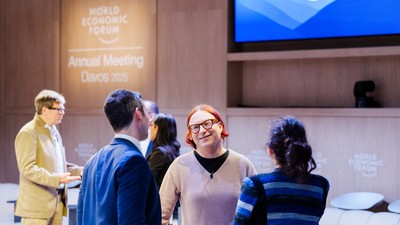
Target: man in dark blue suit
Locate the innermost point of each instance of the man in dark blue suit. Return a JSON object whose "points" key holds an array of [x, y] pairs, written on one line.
{"points": [[117, 185]]}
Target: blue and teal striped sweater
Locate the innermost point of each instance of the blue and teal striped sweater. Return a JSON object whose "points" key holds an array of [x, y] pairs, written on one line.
{"points": [[288, 202]]}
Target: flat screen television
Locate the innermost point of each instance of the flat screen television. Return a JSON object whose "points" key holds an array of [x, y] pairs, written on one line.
{"points": [[288, 20]]}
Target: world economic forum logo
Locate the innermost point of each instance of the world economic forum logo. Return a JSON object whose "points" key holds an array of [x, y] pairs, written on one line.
{"points": [[105, 22], [366, 163], [85, 150], [288, 13]]}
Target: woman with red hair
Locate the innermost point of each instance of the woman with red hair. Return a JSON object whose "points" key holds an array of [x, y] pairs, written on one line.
{"points": [[206, 180]]}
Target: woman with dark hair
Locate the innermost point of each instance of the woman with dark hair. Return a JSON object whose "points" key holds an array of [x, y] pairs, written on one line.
{"points": [[290, 194], [207, 179], [163, 134]]}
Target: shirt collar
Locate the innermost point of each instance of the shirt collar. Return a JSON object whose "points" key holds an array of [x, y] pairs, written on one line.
{"points": [[49, 127], [129, 138]]}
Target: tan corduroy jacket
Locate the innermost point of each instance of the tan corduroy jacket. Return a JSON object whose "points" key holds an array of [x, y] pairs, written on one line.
{"points": [[37, 164]]}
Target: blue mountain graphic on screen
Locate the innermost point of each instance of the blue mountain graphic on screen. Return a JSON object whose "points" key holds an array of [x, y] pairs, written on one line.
{"points": [[274, 20], [288, 13]]}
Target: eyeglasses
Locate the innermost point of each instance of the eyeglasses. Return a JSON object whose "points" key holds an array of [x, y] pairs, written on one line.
{"points": [[60, 110], [207, 124]]}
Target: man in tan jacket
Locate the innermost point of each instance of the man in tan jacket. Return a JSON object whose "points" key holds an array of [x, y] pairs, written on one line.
{"points": [[43, 169]]}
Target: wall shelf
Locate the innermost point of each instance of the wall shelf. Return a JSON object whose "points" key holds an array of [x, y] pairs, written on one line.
{"points": [[317, 112], [315, 54], [319, 77]]}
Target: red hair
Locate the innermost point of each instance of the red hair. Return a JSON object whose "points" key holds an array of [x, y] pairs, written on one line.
{"points": [[213, 112]]}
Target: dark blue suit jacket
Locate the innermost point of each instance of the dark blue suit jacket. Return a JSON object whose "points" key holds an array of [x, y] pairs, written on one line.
{"points": [[149, 149], [118, 188]]}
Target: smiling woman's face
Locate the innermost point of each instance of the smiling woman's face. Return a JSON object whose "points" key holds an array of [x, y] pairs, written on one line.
{"points": [[206, 137]]}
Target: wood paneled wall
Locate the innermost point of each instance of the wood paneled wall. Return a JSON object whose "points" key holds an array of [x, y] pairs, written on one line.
{"points": [[30, 59], [123, 52], [356, 152], [192, 67], [33, 46], [32, 50], [319, 82], [191, 53], [2, 88]]}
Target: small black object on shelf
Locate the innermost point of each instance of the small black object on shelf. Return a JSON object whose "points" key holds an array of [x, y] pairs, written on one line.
{"points": [[361, 88]]}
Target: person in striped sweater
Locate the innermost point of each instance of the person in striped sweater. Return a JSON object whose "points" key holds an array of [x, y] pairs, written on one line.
{"points": [[292, 194]]}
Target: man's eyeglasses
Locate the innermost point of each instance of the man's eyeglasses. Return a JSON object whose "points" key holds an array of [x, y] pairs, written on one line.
{"points": [[207, 124], [60, 110]]}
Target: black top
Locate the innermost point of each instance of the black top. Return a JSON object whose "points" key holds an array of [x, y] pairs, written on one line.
{"points": [[213, 164]]}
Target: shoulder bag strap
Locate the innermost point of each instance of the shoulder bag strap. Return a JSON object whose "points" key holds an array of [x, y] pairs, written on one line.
{"points": [[260, 208]]}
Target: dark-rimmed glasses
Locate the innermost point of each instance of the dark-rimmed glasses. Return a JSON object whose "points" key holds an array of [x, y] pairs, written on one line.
{"points": [[206, 124], [60, 110]]}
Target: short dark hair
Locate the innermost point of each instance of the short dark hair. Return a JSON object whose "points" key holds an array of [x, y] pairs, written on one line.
{"points": [[119, 107]]}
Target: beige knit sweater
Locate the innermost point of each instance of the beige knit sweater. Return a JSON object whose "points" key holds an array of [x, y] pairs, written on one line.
{"points": [[204, 200]]}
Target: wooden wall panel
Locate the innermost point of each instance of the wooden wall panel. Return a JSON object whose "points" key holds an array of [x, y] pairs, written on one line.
{"points": [[29, 62], [84, 135], [355, 154], [2, 86], [31, 50], [98, 56], [191, 67], [319, 82], [13, 124], [180, 117]]}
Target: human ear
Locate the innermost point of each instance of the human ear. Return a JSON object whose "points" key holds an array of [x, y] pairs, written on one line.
{"points": [[137, 114], [220, 126], [271, 153]]}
